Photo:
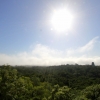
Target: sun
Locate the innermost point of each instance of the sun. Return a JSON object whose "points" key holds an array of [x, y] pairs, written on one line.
{"points": [[62, 20]]}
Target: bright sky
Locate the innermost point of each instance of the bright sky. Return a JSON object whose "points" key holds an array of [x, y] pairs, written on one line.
{"points": [[49, 32]]}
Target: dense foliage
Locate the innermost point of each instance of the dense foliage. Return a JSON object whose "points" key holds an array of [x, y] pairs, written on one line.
{"points": [[64, 82]]}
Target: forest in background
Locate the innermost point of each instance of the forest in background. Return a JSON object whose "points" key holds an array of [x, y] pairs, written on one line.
{"points": [[63, 82]]}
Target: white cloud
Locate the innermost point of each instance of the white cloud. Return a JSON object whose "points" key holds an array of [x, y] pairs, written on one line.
{"points": [[43, 55], [89, 46], [84, 49]]}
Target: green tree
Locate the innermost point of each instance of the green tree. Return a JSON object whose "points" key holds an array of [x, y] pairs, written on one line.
{"points": [[61, 93], [7, 84], [38, 93], [13, 87], [92, 92]]}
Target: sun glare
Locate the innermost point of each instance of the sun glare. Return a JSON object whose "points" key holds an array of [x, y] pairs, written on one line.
{"points": [[62, 20]]}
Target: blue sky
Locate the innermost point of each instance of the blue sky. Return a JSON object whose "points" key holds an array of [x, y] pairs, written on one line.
{"points": [[27, 36]]}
